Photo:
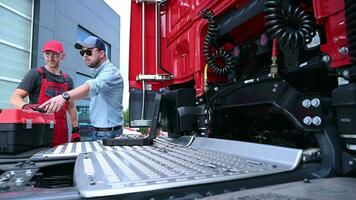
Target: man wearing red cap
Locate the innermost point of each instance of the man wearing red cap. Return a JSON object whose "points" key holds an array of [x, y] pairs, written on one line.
{"points": [[43, 83]]}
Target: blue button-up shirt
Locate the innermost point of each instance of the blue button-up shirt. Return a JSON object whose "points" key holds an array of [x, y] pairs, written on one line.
{"points": [[106, 90]]}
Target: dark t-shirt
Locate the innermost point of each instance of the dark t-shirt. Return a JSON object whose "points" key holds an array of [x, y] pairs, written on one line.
{"points": [[33, 80]]}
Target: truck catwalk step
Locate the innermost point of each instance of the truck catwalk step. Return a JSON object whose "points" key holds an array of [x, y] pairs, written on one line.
{"points": [[123, 170]]}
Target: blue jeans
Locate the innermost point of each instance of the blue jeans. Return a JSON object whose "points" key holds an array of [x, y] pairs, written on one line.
{"points": [[99, 135]]}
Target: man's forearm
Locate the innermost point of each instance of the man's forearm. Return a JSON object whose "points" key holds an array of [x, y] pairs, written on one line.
{"points": [[79, 92], [17, 98], [17, 101], [72, 110], [56, 103]]}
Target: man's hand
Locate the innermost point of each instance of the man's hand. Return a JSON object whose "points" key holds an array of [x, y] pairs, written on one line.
{"points": [[54, 104], [75, 135], [30, 106]]}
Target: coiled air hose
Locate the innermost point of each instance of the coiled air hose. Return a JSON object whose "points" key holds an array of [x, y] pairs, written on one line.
{"points": [[292, 26], [212, 57]]}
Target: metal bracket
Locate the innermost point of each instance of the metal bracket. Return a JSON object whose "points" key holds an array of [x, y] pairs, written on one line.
{"points": [[154, 77], [51, 124], [149, 1], [28, 123], [140, 123]]}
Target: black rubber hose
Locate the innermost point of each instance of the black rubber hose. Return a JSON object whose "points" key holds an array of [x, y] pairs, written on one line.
{"points": [[236, 18], [292, 26], [350, 8], [209, 42]]}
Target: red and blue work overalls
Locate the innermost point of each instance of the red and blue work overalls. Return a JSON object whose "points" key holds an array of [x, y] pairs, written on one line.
{"points": [[51, 89]]}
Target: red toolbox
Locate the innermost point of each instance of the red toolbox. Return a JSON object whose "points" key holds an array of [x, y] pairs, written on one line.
{"points": [[22, 130]]}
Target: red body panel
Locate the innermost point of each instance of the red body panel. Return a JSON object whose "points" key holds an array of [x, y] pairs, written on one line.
{"points": [[331, 14], [182, 35], [183, 32]]}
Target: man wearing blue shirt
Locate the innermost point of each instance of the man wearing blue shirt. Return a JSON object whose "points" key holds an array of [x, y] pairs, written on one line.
{"points": [[105, 91]]}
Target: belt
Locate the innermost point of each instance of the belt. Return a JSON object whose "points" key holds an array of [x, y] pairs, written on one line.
{"points": [[108, 129]]}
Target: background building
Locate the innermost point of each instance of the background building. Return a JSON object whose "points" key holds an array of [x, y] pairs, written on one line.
{"points": [[25, 25]]}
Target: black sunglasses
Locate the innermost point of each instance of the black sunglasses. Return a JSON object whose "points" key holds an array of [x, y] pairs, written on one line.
{"points": [[88, 52]]}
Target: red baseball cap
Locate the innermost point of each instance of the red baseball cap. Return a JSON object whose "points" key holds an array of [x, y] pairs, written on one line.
{"points": [[53, 45]]}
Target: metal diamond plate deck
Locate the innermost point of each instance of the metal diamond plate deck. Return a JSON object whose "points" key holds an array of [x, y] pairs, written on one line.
{"points": [[72, 150], [122, 170]]}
